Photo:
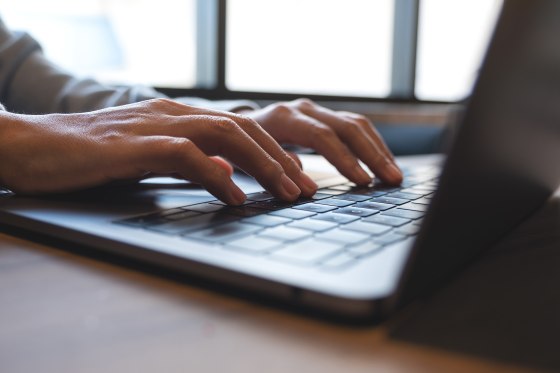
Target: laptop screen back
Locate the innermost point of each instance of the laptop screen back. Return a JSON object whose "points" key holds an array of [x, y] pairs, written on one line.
{"points": [[503, 164]]}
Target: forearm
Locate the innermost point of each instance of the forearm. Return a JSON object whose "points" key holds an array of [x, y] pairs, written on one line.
{"points": [[30, 83]]}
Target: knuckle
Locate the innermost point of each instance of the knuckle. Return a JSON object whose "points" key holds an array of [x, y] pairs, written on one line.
{"points": [[304, 103], [362, 121], [282, 110], [165, 104], [225, 126], [247, 123], [179, 148], [271, 168], [321, 132], [161, 102], [354, 129], [216, 177], [291, 165]]}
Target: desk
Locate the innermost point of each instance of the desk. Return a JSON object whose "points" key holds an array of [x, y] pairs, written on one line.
{"points": [[62, 312]]}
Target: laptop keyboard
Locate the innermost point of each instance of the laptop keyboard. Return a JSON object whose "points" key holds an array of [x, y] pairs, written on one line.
{"points": [[333, 230]]}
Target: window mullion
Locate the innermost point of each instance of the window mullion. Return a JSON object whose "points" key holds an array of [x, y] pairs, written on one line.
{"points": [[404, 49], [206, 43]]}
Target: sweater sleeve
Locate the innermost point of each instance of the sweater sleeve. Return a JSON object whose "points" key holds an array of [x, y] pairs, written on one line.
{"points": [[31, 84]]}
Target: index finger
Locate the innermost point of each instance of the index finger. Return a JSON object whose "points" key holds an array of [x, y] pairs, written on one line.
{"points": [[362, 140]]}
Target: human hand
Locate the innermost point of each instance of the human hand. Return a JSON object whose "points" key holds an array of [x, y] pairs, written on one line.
{"points": [[341, 137], [61, 152]]}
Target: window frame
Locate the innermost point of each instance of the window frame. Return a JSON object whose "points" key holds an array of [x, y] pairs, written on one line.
{"points": [[211, 59]]}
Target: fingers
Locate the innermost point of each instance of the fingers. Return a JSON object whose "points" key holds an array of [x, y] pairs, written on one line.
{"points": [[165, 155], [295, 157], [224, 164], [365, 123], [291, 166], [223, 136], [361, 138], [314, 134], [242, 141], [287, 162]]}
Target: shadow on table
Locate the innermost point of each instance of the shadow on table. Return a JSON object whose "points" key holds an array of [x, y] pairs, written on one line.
{"points": [[505, 307]]}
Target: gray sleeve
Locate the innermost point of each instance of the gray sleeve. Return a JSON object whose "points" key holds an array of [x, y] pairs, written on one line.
{"points": [[31, 84]]}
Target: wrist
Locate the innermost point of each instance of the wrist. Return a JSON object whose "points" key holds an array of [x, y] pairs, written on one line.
{"points": [[9, 122]]}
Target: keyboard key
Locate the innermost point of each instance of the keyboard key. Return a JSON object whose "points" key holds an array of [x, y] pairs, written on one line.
{"points": [[292, 213], [320, 196], [423, 201], [204, 208], [336, 202], [314, 207], [367, 228], [409, 229], [356, 211], [313, 225], [408, 196], [307, 252], [336, 218], [254, 244], [342, 236], [407, 214], [370, 192], [414, 207], [225, 232], [242, 211], [364, 249], [389, 238], [390, 201], [342, 187], [284, 233], [419, 193], [374, 206], [266, 220], [378, 185], [332, 192], [354, 197], [259, 197], [273, 204], [338, 262], [387, 220], [246, 202]]}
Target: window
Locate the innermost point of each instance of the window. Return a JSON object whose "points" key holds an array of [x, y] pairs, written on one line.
{"points": [[122, 41], [452, 38], [345, 49], [310, 46]]}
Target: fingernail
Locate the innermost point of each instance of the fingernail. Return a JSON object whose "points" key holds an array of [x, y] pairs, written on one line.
{"points": [[290, 189], [394, 172], [361, 176], [309, 185], [237, 196]]}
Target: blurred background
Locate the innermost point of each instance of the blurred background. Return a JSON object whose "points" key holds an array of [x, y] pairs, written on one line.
{"points": [[405, 63]]}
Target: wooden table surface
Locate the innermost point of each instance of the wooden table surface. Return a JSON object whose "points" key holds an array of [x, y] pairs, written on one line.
{"points": [[64, 312]]}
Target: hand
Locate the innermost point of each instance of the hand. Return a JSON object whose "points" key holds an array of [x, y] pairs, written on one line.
{"points": [[60, 152], [341, 137]]}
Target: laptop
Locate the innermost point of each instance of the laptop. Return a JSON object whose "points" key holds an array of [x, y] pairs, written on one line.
{"points": [[356, 252]]}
